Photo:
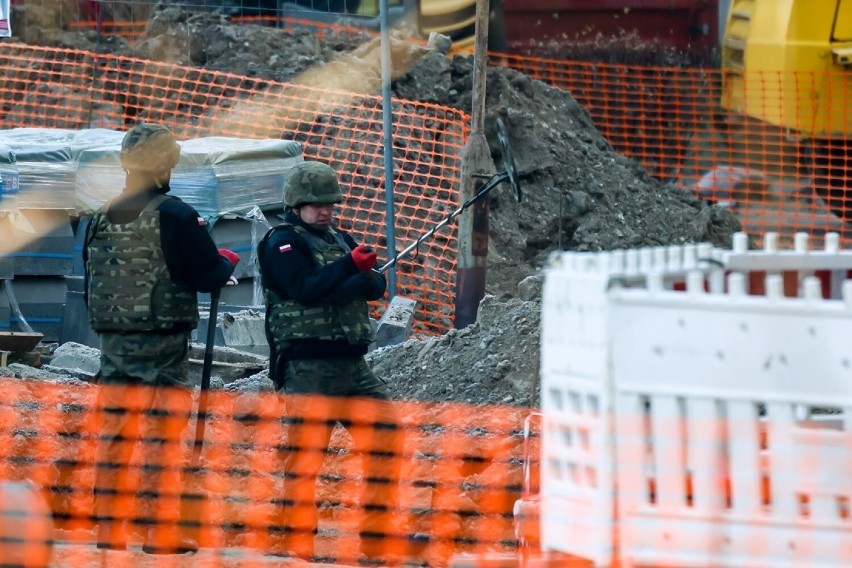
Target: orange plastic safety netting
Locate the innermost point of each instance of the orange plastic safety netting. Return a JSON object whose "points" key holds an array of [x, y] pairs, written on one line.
{"points": [[773, 156], [768, 156], [74, 89], [442, 478]]}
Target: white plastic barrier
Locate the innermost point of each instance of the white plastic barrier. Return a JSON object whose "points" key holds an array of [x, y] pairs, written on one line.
{"points": [[686, 412], [577, 462]]}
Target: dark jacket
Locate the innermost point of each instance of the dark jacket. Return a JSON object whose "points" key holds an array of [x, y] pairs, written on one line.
{"points": [[288, 268]]}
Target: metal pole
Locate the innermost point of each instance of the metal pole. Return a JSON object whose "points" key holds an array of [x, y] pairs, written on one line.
{"points": [[476, 159], [390, 224]]}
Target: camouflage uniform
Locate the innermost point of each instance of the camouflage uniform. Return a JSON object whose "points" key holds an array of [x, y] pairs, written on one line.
{"points": [[319, 329], [146, 256]]}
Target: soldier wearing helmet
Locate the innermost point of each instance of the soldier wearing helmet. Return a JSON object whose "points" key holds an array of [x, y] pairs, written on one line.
{"points": [[317, 281], [147, 255]]}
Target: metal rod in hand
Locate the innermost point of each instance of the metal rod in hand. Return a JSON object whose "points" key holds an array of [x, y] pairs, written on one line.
{"points": [[495, 180], [206, 371]]}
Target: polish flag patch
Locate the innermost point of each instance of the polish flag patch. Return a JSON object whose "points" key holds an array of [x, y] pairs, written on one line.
{"points": [[202, 222], [285, 248]]}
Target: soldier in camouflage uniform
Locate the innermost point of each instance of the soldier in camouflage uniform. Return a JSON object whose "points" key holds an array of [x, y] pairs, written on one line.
{"points": [[147, 254], [317, 281]]}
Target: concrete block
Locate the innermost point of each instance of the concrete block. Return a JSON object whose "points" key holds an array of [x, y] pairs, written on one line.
{"points": [[73, 355], [395, 324], [238, 328], [199, 334]]}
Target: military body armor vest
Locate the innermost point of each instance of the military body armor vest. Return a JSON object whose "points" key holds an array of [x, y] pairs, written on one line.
{"points": [[129, 285], [289, 320]]}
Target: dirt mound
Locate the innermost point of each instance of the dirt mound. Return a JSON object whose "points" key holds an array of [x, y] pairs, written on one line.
{"points": [[493, 361]]}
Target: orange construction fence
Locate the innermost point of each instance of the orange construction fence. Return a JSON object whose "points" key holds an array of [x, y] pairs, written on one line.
{"points": [[58, 88], [775, 176], [451, 473], [675, 123]]}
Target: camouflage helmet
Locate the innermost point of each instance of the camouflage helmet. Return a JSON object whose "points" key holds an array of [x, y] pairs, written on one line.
{"points": [[149, 147], [311, 182]]}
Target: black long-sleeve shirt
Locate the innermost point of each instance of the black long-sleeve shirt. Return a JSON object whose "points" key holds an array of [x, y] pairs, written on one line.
{"points": [[288, 268]]}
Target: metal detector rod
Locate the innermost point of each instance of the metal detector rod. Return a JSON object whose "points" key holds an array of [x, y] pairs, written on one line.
{"points": [[495, 180]]}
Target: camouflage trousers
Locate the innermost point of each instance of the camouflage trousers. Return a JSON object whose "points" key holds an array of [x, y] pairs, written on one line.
{"points": [[143, 404], [321, 394], [150, 358]]}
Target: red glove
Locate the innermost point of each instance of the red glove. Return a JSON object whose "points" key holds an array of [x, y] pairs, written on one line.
{"points": [[364, 257], [232, 257]]}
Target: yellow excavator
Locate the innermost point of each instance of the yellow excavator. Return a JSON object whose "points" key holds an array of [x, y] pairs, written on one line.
{"points": [[788, 63]]}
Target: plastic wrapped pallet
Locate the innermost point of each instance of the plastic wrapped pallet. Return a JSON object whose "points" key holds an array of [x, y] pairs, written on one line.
{"points": [[46, 176], [222, 175], [75, 140], [216, 175], [9, 179]]}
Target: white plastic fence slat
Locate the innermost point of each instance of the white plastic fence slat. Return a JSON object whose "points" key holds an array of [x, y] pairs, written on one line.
{"points": [[784, 466], [836, 279], [634, 469], [822, 455], [668, 453], [770, 243], [704, 454], [744, 458]]}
